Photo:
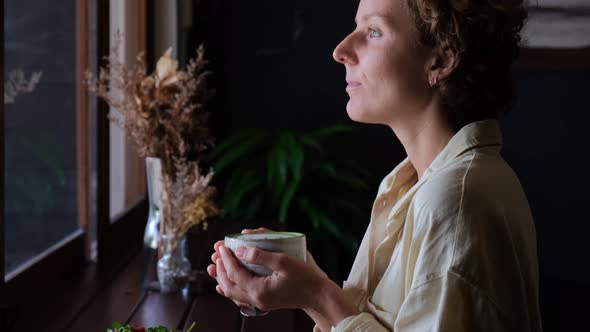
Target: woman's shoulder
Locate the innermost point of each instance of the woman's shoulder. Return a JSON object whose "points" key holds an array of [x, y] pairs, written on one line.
{"points": [[472, 208], [475, 179]]}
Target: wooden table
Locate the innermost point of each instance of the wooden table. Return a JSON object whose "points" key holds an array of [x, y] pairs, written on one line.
{"points": [[95, 295], [125, 300]]}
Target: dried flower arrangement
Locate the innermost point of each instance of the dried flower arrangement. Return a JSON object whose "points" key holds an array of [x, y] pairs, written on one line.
{"points": [[164, 115], [17, 84]]}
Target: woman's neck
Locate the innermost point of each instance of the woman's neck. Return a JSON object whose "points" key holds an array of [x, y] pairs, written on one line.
{"points": [[423, 136]]}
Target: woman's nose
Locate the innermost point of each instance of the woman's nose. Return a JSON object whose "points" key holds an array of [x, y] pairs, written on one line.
{"points": [[342, 52]]}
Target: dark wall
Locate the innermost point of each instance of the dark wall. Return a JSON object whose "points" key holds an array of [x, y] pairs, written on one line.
{"points": [[273, 68], [267, 78], [546, 144]]}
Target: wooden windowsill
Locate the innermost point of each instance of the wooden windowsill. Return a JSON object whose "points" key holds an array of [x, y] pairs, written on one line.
{"points": [[53, 305], [96, 295]]}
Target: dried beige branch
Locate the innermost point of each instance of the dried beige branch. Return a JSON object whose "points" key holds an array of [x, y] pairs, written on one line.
{"points": [[17, 84], [164, 115]]}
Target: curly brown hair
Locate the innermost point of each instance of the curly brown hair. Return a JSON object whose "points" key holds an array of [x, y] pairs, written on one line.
{"points": [[485, 37]]}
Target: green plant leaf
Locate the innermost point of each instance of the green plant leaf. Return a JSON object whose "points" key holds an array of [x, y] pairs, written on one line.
{"points": [[233, 140], [191, 327], [312, 143], [239, 178], [309, 211], [277, 167], [324, 169], [351, 207], [351, 181], [330, 131], [244, 185], [287, 198], [158, 329], [320, 220], [329, 225], [335, 230], [341, 176], [304, 180], [236, 152], [353, 166], [296, 156], [253, 208]]}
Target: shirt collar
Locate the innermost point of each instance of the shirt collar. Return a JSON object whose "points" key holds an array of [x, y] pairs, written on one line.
{"points": [[403, 180], [400, 175], [472, 135]]}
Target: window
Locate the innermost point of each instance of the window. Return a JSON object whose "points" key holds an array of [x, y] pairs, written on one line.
{"points": [[556, 35], [127, 171], [55, 188], [41, 170]]}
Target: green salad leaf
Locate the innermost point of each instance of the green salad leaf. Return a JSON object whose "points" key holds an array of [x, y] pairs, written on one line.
{"points": [[118, 327]]}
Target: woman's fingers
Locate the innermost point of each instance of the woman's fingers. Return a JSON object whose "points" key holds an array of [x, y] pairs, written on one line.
{"points": [[212, 271], [234, 271], [271, 260], [257, 230], [227, 287], [238, 303], [215, 256], [241, 304], [218, 244], [222, 278]]}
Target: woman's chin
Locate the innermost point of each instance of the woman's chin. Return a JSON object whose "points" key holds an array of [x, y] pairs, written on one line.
{"points": [[354, 113], [358, 115]]}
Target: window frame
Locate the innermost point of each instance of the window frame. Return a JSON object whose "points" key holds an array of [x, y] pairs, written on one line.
{"points": [[129, 226], [68, 253], [2, 250], [549, 58], [554, 59], [74, 252]]}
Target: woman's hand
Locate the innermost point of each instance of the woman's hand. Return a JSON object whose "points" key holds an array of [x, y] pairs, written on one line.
{"points": [[212, 268], [293, 283]]}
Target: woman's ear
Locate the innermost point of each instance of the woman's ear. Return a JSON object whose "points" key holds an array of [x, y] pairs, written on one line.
{"points": [[441, 65]]}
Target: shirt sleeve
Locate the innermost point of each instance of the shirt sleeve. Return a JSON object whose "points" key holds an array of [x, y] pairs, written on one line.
{"points": [[345, 321], [357, 323], [364, 322], [449, 303]]}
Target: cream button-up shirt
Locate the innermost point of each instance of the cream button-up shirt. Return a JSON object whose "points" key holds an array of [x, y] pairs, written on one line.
{"points": [[454, 251]]}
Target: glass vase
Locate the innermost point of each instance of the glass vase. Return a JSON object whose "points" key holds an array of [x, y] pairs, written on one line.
{"points": [[153, 169], [174, 267]]}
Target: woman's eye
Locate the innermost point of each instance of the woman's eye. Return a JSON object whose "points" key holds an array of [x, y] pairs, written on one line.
{"points": [[374, 33]]}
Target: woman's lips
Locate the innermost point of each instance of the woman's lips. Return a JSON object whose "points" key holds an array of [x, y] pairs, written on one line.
{"points": [[352, 85]]}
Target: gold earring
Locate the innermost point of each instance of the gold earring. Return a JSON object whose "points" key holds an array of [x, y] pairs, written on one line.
{"points": [[432, 81]]}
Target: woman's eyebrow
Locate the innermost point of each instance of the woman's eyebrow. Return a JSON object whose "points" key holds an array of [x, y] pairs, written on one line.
{"points": [[369, 16]]}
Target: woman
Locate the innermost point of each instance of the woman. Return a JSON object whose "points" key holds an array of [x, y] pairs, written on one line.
{"points": [[451, 241]]}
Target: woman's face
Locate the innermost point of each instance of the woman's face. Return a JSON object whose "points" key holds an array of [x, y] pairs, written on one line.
{"points": [[386, 69]]}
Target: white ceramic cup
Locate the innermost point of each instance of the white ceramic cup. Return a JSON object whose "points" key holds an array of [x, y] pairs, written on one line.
{"points": [[291, 243]]}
